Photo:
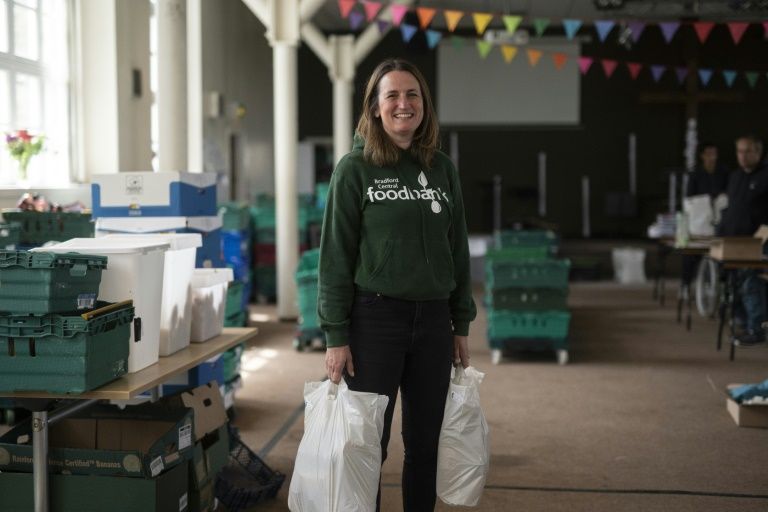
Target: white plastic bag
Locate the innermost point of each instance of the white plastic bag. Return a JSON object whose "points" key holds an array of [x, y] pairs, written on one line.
{"points": [[700, 215], [463, 454], [338, 464]]}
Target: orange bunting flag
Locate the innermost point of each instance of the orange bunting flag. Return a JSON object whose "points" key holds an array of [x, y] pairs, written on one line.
{"points": [[559, 59], [452, 19], [609, 66], [533, 56], [483, 48], [737, 29], [482, 19], [512, 22], [509, 52], [634, 69], [345, 6], [425, 15]]}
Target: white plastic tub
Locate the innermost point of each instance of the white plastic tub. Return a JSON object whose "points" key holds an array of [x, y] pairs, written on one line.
{"points": [[176, 308], [134, 271], [629, 265], [209, 302]]}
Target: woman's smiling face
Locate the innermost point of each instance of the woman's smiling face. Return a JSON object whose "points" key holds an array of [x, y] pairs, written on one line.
{"points": [[400, 106]]}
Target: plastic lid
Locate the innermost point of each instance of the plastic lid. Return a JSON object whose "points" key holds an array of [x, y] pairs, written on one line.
{"points": [[177, 241], [106, 245], [157, 224], [202, 277]]}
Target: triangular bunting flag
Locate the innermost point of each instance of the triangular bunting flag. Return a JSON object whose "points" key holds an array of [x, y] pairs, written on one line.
{"points": [[509, 52], [345, 6], [452, 19], [540, 25], [737, 29], [656, 72], [398, 11], [483, 48], [512, 22], [355, 20], [604, 28], [730, 76], [669, 29], [751, 78], [482, 19], [425, 15], [765, 29], [457, 42], [703, 28], [609, 66], [533, 56], [407, 30], [371, 9], [681, 73], [383, 26], [704, 76], [634, 69], [571, 27], [433, 37], [636, 30], [584, 64], [559, 59]]}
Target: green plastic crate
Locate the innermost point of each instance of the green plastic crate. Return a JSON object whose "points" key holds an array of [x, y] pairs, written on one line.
{"points": [[65, 353], [512, 238], [513, 324], [231, 362], [549, 273], [45, 282], [236, 320], [235, 216], [10, 235], [38, 228], [519, 252], [529, 299], [266, 281], [309, 260], [234, 304]]}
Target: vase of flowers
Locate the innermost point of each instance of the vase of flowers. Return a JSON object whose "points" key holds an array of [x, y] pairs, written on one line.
{"points": [[22, 146]]}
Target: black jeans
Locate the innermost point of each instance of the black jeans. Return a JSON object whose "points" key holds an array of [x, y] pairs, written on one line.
{"points": [[406, 345]]}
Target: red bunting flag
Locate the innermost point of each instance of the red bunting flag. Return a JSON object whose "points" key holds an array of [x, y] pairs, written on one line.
{"points": [[634, 69], [371, 9], [345, 6], [559, 59], [703, 28], [425, 15], [609, 66], [737, 29]]}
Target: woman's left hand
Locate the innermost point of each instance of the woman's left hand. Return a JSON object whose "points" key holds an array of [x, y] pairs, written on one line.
{"points": [[461, 350]]}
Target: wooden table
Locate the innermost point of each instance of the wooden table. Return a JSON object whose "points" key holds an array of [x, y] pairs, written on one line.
{"points": [[126, 387]]}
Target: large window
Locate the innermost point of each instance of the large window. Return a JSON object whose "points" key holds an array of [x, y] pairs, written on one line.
{"points": [[34, 87]]}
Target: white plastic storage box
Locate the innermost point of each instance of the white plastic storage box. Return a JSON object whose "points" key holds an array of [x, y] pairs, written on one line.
{"points": [[176, 309], [209, 302], [208, 255], [629, 265], [134, 271], [152, 194]]}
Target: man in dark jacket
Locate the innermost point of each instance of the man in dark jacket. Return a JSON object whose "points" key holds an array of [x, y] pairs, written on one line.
{"points": [[747, 210]]}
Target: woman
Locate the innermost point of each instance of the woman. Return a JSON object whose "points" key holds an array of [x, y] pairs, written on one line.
{"points": [[395, 294]]}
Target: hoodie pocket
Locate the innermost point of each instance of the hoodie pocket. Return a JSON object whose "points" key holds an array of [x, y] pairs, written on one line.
{"points": [[382, 260]]}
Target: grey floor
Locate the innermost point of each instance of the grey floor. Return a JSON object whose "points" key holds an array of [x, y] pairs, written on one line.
{"points": [[635, 422]]}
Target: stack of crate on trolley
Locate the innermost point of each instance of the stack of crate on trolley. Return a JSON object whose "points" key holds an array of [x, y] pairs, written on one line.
{"points": [[308, 332], [526, 293]]}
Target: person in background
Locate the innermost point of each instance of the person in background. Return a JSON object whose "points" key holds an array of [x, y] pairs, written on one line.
{"points": [[395, 298], [747, 211]]}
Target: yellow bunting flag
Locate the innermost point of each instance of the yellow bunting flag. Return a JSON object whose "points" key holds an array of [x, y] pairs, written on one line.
{"points": [[483, 48], [559, 59], [452, 19], [509, 52], [425, 15], [482, 19], [512, 22], [533, 56]]}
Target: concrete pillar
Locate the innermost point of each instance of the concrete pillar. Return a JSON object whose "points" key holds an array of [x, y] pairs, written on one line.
{"points": [[194, 87], [172, 84], [342, 73]]}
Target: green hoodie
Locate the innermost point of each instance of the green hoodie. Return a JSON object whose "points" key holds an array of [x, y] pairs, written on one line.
{"points": [[399, 231]]}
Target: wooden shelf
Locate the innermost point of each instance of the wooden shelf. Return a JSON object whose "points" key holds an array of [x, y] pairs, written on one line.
{"points": [[133, 384]]}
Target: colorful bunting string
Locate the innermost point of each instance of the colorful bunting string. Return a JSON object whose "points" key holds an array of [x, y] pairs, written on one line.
{"points": [[705, 75], [559, 59], [398, 11], [604, 28], [425, 15], [407, 31], [509, 52], [571, 27], [737, 29], [584, 64], [452, 19], [609, 66], [481, 19], [730, 76], [345, 6], [703, 28], [371, 9], [483, 48], [533, 56]]}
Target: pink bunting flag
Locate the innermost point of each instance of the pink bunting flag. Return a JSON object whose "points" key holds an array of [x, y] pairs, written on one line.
{"points": [[737, 29], [609, 66], [345, 6], [634, 69], [703, 28], [371, 9], [398, 11], [584, 64]]}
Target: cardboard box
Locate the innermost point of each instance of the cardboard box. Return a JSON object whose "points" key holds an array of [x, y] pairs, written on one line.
{"points": [[762, 233], [206, 401], [77, 493], [755, 416], [736, 248]]}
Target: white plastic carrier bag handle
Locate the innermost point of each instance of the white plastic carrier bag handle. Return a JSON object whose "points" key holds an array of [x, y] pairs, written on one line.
{"points": [[338, 464], [463, 454]]}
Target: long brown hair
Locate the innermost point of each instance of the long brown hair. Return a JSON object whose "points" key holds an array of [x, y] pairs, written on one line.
{"points": [[379, 147]]}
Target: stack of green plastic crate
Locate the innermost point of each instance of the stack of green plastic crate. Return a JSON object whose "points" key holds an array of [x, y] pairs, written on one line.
{"points": [[236, 241], [37, 228], [308, 333], [526, 293], [10, 235]]}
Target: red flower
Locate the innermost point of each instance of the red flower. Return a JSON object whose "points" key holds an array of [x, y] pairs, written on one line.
{"points": [[24, 135]]}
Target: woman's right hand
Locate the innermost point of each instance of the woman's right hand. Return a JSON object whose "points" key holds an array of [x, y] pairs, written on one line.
{"points": [[336, 359]]}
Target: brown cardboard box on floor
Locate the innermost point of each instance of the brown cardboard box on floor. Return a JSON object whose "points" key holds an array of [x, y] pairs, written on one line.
{"points": [[747, 415], [736, 248]]}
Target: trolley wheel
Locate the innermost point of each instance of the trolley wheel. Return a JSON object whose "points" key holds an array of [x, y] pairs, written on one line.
{"points": [[707, 287], [562, 356], [496, 356]]}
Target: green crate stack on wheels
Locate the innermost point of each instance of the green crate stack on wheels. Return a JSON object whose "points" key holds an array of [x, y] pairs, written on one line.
{"points": [[308, 333], [526, 293]]}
